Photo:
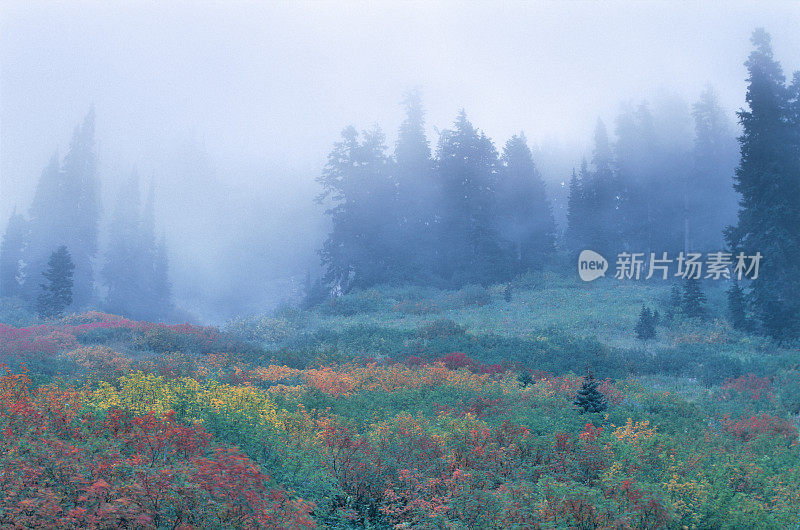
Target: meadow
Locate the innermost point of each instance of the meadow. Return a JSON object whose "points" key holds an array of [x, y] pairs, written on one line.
{"points": [[402, 407]]}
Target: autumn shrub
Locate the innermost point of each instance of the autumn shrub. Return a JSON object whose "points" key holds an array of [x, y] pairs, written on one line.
{"points": [[788, 385], [63, 468]]}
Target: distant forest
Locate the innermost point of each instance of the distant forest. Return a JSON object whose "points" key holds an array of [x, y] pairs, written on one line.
{"points": [[466, 212], [133, 269], [469, 213]]}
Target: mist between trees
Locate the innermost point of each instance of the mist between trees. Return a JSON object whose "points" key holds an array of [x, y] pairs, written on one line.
{"points": [[461, 209]]}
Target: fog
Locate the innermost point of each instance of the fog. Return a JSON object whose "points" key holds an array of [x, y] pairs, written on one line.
{"points": [[230, 109]]}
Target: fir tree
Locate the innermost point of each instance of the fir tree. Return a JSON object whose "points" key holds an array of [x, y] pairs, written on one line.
{"points": [[414, 210], [12, 251], [768, 180], [524, 214], [714, 157], [359, 187], [589, 399], [646, 325], [525, 378], [693, 300], [56, 293], [575, 205], [467, 167], [737, 307]]}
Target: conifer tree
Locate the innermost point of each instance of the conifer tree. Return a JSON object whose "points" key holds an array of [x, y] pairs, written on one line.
{"points": [[737, 307], [122, 272], [646, 325], [589, 399], [56, 293], [12, 251], [768, 180], [415, 208], [693, 300], [599, 225], [714, 158], [525, 215], [358, 183], [467, 165]]}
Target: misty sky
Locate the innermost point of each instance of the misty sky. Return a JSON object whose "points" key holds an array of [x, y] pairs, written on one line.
{"points": [[232, 107]]}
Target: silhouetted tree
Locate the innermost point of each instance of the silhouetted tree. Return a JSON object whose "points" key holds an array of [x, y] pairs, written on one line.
{"points": [[693, 300], [737, 307], [359, 185], [66, 210], [768, 180], [525, 216], [417, 196], [467, 170], [710, 200], [646, 325], [56, 293]]}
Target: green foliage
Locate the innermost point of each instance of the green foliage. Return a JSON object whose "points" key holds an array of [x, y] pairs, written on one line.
{"points": [[693, 300], [589, 399], [350, 304], [15, 312], [56, 293], [646, 325], [737, 308]]}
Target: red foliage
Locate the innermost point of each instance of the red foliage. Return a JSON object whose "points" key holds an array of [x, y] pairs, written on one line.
{"points": [[749, 386], [754, 426], [62, 468]]}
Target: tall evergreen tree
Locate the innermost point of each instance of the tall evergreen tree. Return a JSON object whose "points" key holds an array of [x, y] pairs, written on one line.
{"points": [[737, 306], [359, 184], [46, 226], [81, 195], [693, 299], [415, 247], [578, 222], [467, 169], [601, 195], [56, 293], [768, 181], [12, 251], [710, 201], [525, 215], [65, 210]]}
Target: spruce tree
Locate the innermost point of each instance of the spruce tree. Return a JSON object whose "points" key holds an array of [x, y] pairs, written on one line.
{"points": [[693, 300], [56, 293], [12, 251], [467, 165], [737, 307], [674, 303], [646, 325], [414, 211], [81, 207], [524, 213], [768, 180], [714, 158], [589, 399], [359, 189]]}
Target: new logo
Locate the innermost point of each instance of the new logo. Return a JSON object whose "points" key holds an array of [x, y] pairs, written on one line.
{"points": [[591, 265]]}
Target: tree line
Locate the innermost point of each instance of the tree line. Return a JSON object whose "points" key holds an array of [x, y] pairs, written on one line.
{"points": [[468, 213], [48, 258]]}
